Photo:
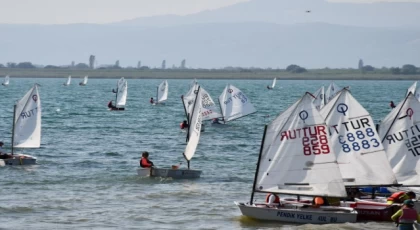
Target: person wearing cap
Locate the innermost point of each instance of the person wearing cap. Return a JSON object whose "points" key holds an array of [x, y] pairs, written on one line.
{"points": [[400, 197], [406, 216]]}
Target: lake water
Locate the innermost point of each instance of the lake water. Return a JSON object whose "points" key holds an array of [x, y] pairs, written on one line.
{"points": [[86, 172]]}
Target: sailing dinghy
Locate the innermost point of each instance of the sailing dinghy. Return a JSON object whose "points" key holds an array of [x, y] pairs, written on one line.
{"points": [[84, 82], [6, 80], [162, 93], [209, 109], [120, 95], [234, 104], [297, 158], [67, 83], [26, 131], [194, 137], [273, 84]]}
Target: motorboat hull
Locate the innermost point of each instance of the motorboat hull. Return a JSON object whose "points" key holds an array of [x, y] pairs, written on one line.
{"points": [[19, 159], [298, 213], [172, 173]]}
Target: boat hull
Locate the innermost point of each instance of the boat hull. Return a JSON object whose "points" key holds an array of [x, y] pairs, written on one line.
{"points": [[19, 159], [373, 211], [116, 108], [172, 173], [292, 213]]}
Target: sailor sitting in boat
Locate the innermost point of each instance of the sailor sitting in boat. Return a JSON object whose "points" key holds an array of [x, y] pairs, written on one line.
{"points": [[145, 162], [272, 200], [3, 156], [215, 121], [110, 105], [406, 216], [184, 125], [151, 100], [400, 197], [268, 87]]}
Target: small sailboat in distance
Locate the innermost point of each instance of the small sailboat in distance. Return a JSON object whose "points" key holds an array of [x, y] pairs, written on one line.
{"points": [[121, 95], [84, 81], [234, 104], [26, 131], [162, 93], [194, 131], [273, 84], [6, 80], [67, 83]]}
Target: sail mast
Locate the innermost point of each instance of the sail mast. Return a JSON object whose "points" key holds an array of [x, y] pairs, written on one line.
{"points": [[13, 128], [258, 165], [221, 110]]}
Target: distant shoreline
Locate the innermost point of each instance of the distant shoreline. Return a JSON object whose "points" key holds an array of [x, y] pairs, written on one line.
{"points": [[332, 74]]}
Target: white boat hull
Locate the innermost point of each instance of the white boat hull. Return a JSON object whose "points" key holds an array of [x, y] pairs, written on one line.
{"points": [[19, 159], [294, 213], [382, 200], [173, 173]]}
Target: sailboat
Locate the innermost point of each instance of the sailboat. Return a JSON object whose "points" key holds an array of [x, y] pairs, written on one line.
{"points": [[412, 89], [161, 93], [194, 131], [361, 157], [234, 104], [84, 82], [120, 95], [67, 83], [297, 158], [319, 99], [273, 84], [209, 108], [26, 131], [6, 80]]}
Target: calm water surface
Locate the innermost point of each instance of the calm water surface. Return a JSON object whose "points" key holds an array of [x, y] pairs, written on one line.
{"points": [[86, 172]]}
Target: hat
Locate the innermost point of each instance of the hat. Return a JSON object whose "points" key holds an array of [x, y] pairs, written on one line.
{"points": [[409, 203]]}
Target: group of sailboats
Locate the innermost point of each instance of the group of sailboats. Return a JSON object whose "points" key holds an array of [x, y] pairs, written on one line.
{"points": [[26, 130], [82, 83]]}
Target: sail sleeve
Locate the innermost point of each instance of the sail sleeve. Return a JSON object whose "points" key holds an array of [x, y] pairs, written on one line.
{"points": [[360, 153], [400, 135], [194, 128], [27, 129], [235, 104], [296, 157]]}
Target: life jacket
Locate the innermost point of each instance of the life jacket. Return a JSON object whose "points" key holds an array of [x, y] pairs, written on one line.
{"points": [[409, 215], [276, 200], [183, 126], [397, 197], [144, 163]]}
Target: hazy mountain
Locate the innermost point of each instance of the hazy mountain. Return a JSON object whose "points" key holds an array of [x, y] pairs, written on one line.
{"points": [[212, 45], [381, 14]]}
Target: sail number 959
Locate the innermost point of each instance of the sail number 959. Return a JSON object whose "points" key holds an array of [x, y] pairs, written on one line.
{"points": [[315, 145]]}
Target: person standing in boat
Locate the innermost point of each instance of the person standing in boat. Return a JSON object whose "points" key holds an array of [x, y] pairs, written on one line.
{"points": [[400, 197], [144, 161], [392, 105], [406, 216]]}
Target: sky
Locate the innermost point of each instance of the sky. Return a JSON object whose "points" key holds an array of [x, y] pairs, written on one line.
{"points": [[106, 11]]}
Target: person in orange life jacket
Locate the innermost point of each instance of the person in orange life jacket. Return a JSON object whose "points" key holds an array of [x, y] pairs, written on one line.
{"points": [[406, 216], [183, 125], [400, 197], [272, 199], [144, 161], [151, 100], [392, 105]]}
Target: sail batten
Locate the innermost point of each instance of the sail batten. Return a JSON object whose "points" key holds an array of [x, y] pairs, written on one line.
{"points": [[27, 121]]}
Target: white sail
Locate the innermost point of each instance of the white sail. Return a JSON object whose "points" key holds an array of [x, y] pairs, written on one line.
{"points": [[27, 127], [68, 81], [400, 135], [297, 157], [332, 90], [274, 83], [193, 83], [6, 80], [162, 92], [189, 99], [412, 89], [319, 100], [235, 104], [194, 128], [121, 93], [85, 81], [360, 154], [209, 108]]}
